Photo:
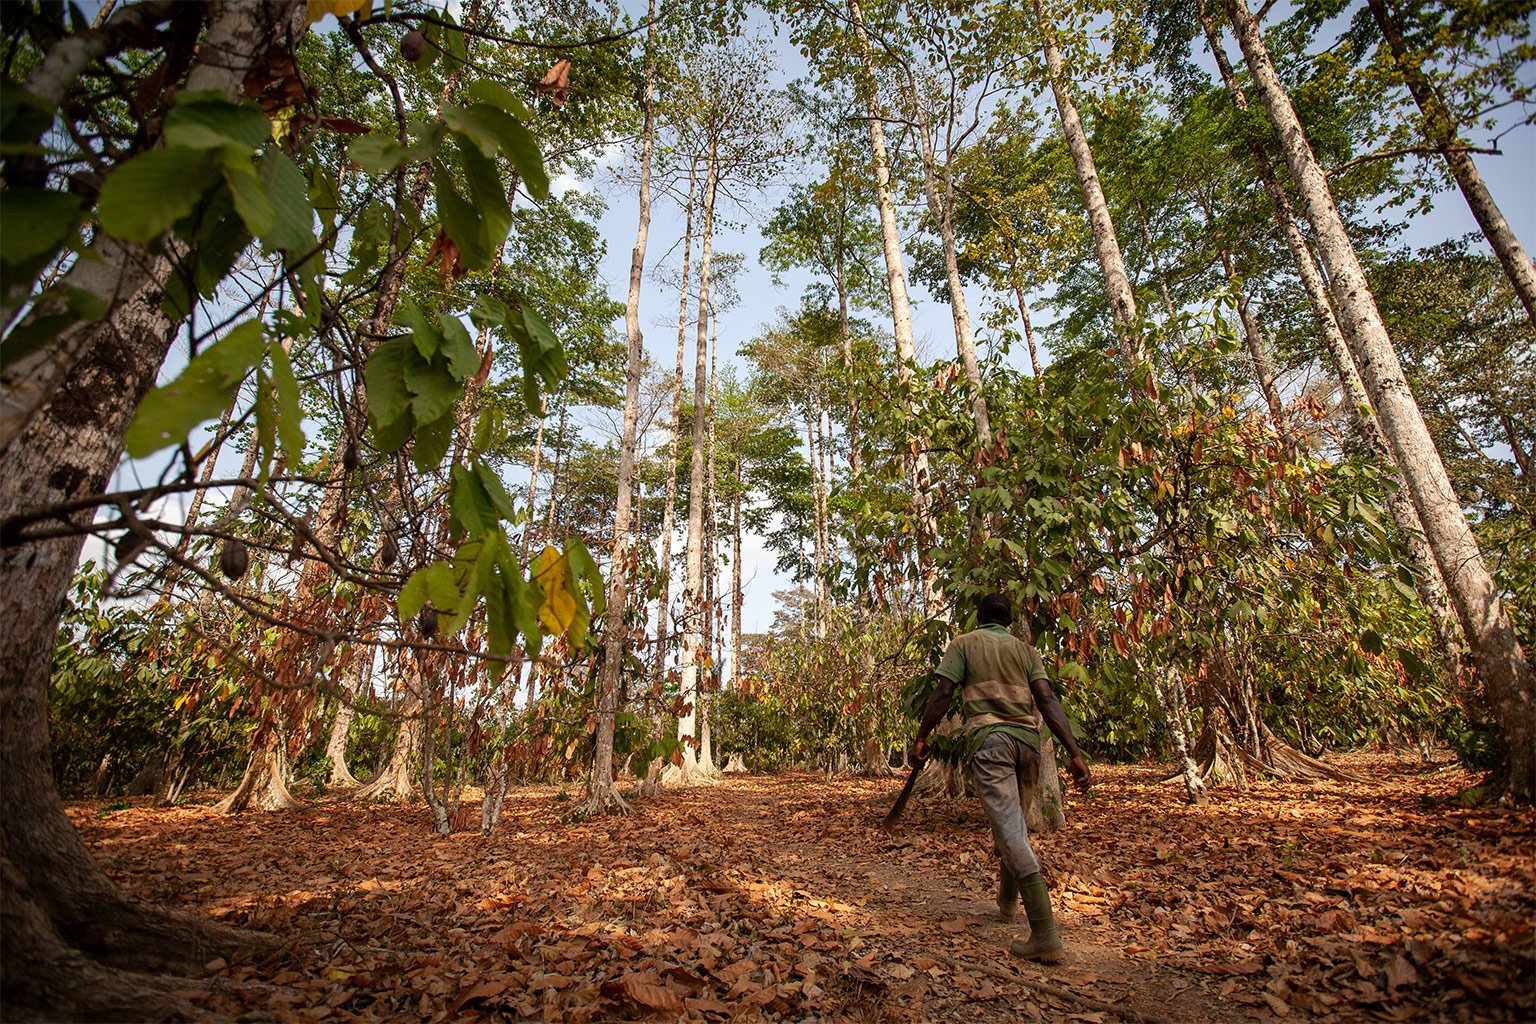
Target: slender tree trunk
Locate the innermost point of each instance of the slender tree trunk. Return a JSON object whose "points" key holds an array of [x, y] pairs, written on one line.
{"points": [[845, 329], [901, 318], [1427, 579], [1029, 331], [602, 797], [552, 517], [1117, 283], [354, 684], [693, 592], [736, 595], [533, 475], [669, 508], [66, 923], [1505, 670], [941, 209], [1263, 369], [1439, 128]]}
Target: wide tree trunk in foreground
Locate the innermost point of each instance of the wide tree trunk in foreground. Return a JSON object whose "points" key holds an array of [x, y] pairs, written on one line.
{"points": [[66, 924], [1506, 671], [602, 797]]}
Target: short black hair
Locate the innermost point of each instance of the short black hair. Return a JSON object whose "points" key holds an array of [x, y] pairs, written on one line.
{"points": [[995, 609]]}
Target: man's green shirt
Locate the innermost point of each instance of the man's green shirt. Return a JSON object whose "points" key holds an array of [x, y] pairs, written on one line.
{"points": [[993, 669]]}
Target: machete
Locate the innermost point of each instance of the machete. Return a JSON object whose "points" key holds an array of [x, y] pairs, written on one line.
{"points": [[900, 805]]}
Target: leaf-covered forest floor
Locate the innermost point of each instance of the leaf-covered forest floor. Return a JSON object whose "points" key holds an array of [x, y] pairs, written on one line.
{"points": [[779, 898]]}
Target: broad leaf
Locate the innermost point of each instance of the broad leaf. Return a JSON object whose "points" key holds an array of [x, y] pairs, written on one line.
{"points": [[169, 413]]}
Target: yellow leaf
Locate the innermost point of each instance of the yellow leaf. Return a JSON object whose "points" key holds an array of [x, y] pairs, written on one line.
{"points": [[558, 610], [320, 8]]}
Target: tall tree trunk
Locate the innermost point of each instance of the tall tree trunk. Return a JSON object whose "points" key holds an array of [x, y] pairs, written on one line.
{"points": [[602, 797], [736, 595], [693, 590], [354, 684], [1029, 330], [1258, 354], [818, 552], [669, 508], [845, 332], [395, 781], [66, 923], [901, 320], [552, 517], [1117, 283], [1505, 670], [1427, 579], [1439, 128], [941, 209]]}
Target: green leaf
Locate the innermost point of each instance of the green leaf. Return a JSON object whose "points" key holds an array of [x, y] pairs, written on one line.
{"points": [[207, 120], [518, 143], [463, 357], [436, 584], [171, 412], [37, 222], [462, 223], [424, 333], [488, 196], [377, 154], [290, 417], [435, 390], [389, 400], [1370, 642], [432, 441], [489, 311], [506, 508], [293, 229], [388, 396], [497, 95], [249, 194], [148, 194], [472, 127], [266, 426], [471, 505]]}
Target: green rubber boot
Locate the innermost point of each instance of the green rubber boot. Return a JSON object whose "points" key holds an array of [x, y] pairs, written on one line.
{"points": [[1007, 893], [1043, 943]]}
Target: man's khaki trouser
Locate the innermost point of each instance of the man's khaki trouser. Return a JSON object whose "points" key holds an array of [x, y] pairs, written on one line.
{"points": [[1006, 771]]}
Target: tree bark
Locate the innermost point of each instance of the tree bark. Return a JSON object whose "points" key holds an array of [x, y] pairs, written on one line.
{"points": [[602, 796], [1506, 671], [669, 507], [1427, 579], [1117, 283], [693, 592], [1029, 333], [64, 917], [1439, 128], [901, 321], [941, 208]]}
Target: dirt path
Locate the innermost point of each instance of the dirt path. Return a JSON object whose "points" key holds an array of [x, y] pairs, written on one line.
{"points": [[940, 922], [779, 898]]}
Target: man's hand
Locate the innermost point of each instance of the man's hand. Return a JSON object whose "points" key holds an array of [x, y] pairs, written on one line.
{"points": [[1081, 776], [919, 753]]}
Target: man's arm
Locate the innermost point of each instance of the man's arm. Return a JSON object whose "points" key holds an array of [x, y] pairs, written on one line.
{"points": [[933, 713], [1055, 716]]}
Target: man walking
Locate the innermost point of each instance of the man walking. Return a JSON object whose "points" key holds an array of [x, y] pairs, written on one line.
{"points": [[1005, 695]]}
